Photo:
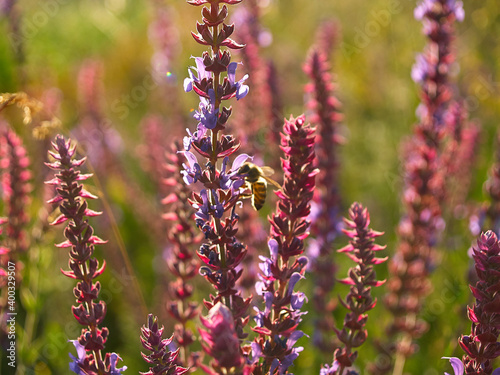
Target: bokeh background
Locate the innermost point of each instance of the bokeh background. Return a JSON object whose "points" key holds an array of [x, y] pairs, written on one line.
{"points": [[88, 58]]}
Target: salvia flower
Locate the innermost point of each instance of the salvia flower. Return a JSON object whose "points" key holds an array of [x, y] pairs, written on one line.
{"points": [[362, 278], [16, 188], [425, 175], [481, 346], [281, 272], [214, 80], [182, 265], [80, 239], [163, 361], [326, 223]]}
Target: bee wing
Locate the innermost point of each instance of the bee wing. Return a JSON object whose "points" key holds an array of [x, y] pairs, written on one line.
{"points": [[272, 182], [267, 171]]}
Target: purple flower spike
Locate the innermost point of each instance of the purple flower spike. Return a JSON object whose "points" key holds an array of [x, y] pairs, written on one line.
{"points": [[217, 201], [362, 278], [456, 363], [90, 311], [277, 327], [428, 176]]}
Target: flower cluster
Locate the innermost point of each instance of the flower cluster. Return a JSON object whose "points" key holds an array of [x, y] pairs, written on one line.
{"points": [[16, 188], [214, 81], [481, 346], [362, 278], [326, 224], [425, 175], [277, 323], [161, 357], [181, 263], [80, 239]]}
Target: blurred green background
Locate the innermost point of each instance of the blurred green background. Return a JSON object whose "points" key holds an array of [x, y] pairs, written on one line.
{"points": [[371, 64]]}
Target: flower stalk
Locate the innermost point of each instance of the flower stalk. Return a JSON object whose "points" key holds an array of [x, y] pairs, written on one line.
{"points": [[182, 265], [277, 324], [326, 222], [81, 241], [362, 278]]}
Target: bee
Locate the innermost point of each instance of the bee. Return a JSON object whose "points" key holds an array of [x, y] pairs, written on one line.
{"points": [[257, 179]]}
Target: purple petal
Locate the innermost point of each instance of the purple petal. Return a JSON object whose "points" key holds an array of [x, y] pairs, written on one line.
{"points": [[231, 72], [273, 249], [268, 299], [456, 363], [293, 338], [239, 160], [274, 365], [297, 300], [114, 360], [190, 157], [293, 280]]}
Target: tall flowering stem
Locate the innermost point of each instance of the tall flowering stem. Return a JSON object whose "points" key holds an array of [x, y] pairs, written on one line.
{"points": [[182, 265], [162, 359], [214, 81], [481, 346], [277, 324], [424, 175], [362, 278], [327, 223], [16, 189], [80, 239]]}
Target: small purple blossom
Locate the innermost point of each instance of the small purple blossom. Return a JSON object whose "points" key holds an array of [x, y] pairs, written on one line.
{"points": [[329, 370], [191, 173], [427, 6], [420, 69], [202, 73], [203, 210], [241, 89], [229, 178], [207, 114], [80, 352], [114, 358], [198, 135], [457, 8]]}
